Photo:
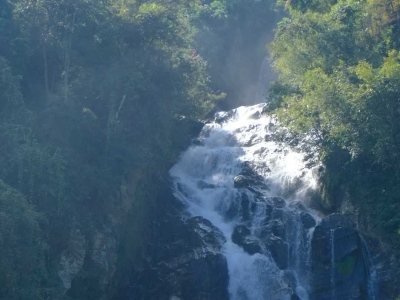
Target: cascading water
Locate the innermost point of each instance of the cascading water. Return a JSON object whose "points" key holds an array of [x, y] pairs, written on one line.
{"points": [[369, 266], [235, 177], [332, 247]]}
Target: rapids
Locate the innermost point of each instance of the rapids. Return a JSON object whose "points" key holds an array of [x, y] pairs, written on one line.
{"points": [[273, 261]]}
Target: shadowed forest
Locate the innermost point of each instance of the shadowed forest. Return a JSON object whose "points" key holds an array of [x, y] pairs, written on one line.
{"points": [[100, 95]]}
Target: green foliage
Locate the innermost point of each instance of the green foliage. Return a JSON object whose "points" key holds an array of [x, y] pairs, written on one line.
{"points": [[21, 253], [91, 91], [340, 67]]}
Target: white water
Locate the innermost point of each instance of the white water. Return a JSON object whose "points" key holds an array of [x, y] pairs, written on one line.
{"points": [[333, 264], [204, 181]]}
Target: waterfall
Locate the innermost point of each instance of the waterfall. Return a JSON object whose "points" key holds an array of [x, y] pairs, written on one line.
{"points": [[370, 269], [243, 177], [333, 266]]}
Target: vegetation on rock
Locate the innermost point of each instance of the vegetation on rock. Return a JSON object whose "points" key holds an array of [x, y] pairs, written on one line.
{"points": [[339, 67], [92, 92]]}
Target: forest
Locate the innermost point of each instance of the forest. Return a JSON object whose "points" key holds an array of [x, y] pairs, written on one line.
{"points": [[93, 92], [339, 67]]}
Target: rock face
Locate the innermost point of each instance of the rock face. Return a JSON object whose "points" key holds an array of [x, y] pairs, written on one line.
{"points": [[249, 178], [72, 259], [182, 261], [241, 235], [338, 264], [274, 247]]}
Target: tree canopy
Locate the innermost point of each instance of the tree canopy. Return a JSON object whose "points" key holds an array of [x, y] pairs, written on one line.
{"points": [[339, 70]]}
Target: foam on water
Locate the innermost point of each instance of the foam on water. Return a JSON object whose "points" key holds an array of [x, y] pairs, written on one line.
{"points": [[204, 181]]}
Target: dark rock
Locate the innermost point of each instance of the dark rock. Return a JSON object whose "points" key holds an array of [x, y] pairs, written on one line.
{"points": [[336, 254], [221, 117], [295, 297], [251, 245], [299, 206], [268, 211], [204, 185], [307, 220], [278, 202], [179, 257], [197, 142], [241, 181], [241, 236], [252, 141], [256, 192], [247, 170], [231, 212], [255, 116], [245, 205], [277, 214], [338, 220], [346, 242], [279, 250], [278, 229], [239, 233], [290, 279], [205, 278], [211, 237], [250, 178]]}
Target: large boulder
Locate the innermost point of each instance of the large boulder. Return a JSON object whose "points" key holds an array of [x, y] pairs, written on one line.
{"points": [[307, 220], [249, 178], [338, 265], [278, 202], [242, 236], [180, 260], [241, 181], [279, 250], [205, 185]]}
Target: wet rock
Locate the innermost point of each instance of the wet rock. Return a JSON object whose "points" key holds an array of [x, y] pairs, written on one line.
{"points": [[207, 235], [256, 115], [239, 233], [338, 220], [278, 229], [245, 205], [247, 169], [299, 206], [278, 214], [279, 250], [223, 116], [231, 212], [318, 172], [268, 212], [337, 260], [278, 202], [104, 255], [307, 220], [72, 259], [183, 259], [251, 245], [241, 181], [257, 193], [197, 142], [204, 185], [250, 177], [346, 242], [205, 278], [290, 279], [241, 236]]}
